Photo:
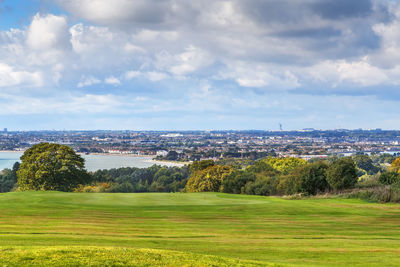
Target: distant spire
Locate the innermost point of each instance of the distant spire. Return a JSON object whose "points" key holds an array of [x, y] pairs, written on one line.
{"points": [[280, 126]]}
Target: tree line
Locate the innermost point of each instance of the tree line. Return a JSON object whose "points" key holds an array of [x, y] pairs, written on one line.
{"points": [[57, 167]]}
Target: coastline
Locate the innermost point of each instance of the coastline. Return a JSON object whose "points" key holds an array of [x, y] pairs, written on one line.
{"points": [[146, 158], [169, 163], [117, 154]]}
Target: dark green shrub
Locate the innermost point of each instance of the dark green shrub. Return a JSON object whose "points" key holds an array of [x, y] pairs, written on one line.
{"points": [[388, 178], [236, 181], [342, 174]]}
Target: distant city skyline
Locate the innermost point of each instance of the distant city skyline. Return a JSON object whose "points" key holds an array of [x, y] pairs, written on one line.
{"points": [[184, 65]]}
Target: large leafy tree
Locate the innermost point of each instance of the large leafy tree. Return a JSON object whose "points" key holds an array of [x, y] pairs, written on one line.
{"points": [[207, 177], [310, 178], [342, 174], [285, 165], [395, 166], [51, 167], [365, 163]]}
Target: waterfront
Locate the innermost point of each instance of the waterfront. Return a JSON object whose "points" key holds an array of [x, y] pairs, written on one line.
{"points": [[95, 162]]}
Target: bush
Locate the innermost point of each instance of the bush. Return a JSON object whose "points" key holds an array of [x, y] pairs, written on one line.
{"points": [[263, 186], [209, 179], [342, 174], [8, 178], [285, 165], [236, 181], [94, 188], [381, 194], [388, 178], [368, 181], [308, 179]]}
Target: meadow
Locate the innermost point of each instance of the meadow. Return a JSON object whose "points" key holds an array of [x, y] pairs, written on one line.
{"points": [[195, 229]]}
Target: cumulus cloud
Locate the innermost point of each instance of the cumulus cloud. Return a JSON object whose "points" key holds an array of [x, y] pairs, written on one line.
{"points": [[153, 76], [358, 73], [11, 78], [47, 32], [167, 48], [112, 81], [88, 81], [190, 60], [119, 11]]}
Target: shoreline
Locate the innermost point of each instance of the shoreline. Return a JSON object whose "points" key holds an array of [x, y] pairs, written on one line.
{"points": [[13, 151], [117, 154], [145, 158], [168, 163]]}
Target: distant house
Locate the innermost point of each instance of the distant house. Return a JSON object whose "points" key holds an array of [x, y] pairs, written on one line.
{"points": [[162, 153]]}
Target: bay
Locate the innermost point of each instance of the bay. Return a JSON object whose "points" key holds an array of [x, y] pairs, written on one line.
{"points": [[95, 162]]}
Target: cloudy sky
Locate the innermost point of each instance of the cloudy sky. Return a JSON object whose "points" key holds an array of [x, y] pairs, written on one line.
{"points": [[209, 64]]}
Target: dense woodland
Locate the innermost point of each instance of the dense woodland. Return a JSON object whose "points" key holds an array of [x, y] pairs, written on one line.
{"points": [[375, 176]]}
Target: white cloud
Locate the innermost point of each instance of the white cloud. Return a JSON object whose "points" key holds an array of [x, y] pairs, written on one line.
{"points": [[191, 60], [119, 12], [156, 76], [88, 81], [90, 39], [388, 55], [131, 48], [112, 81], [47, 32], [11, 78], [259, 75], [129, 75], [358, 73], [153, 76]]}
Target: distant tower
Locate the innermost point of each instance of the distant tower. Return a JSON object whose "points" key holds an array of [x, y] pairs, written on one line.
{"points": [[280, 126], [5, 130]]}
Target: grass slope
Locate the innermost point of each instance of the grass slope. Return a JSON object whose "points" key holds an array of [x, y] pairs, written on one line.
{"points": [[106, 256], [263, 230]]}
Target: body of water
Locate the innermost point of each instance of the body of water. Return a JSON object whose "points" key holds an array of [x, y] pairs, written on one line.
{"points": [[94, 162]]}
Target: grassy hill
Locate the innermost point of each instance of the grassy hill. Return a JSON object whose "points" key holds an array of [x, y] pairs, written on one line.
{"points": [[53, 228]]}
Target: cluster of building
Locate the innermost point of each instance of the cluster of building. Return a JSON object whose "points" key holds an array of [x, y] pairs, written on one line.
{"points": [[196, 145]]}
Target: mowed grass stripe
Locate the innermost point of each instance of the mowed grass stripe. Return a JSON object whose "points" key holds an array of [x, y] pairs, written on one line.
{"points": [[111, 256], [265, 229]]}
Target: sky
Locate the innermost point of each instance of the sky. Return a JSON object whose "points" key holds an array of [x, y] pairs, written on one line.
{"points": [[199, 65]]}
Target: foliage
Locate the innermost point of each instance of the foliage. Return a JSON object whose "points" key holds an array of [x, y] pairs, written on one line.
{"points": [[262, 168], [263, 186], [307, 179], [383, 158], [94, 188], [382, 194], [342, 174], [236, 182], [364, 162], [285, 165], [51, 167], [368, 181], [390, 177], [8, 178], [201, 165], [208, 179], [395, 166], [152, 179], [172, 155]]}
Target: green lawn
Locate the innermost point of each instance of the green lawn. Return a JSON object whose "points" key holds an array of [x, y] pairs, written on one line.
{"points": [[52, 228]]}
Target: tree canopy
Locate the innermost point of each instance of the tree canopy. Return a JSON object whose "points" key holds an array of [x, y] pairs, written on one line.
{"points": [[48, 166], [342, 174], [207, 179]]}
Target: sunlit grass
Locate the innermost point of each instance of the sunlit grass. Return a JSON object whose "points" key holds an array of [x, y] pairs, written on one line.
{"points": [[229, 227]]}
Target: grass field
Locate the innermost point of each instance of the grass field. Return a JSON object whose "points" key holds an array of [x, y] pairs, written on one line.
{"points": [[52, 228]]}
